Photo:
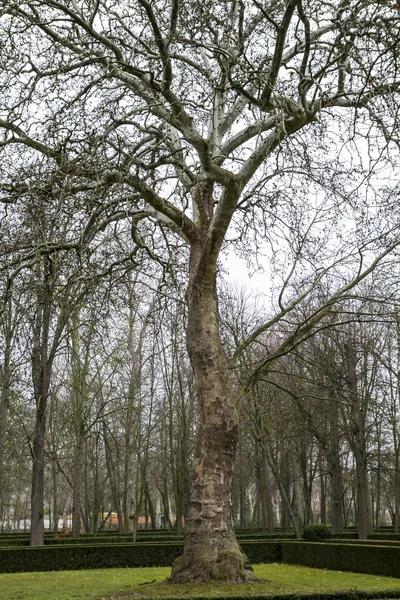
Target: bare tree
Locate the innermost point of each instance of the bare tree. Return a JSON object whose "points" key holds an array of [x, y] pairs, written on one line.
{"points": [[178, 117]]}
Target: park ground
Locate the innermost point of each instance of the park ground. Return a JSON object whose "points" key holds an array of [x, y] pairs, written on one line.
{"points": [[140, 584]]}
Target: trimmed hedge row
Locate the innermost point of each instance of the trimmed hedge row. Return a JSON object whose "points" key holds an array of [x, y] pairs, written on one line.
{"points": [[382, 542], [361, 558], [65, 558], [372, 559], [124, 539]]}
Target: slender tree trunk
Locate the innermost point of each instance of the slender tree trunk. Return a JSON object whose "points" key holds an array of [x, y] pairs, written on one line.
{"points": [[396, 485], [165, 501], [242, 504], [37, 494], [4, 398], [323, 500], [211, 549], [41, 374], [55, 496], [41, 381], [335, 472], [5, 386], [283, 481], [270, 504], [359, 448], [378, 484], [150, 505], [335, 468], [77, 485]]}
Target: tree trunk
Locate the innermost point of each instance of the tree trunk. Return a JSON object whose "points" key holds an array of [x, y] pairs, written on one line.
{"points": [[76, 486], [165, 501], [396, 491], [268, 493], [335, 468], [211, 550], [323, 498], [37, 495], [4, 397], [55, 496], [335, 472], [5, 384], [150, 506], [359, 448]]}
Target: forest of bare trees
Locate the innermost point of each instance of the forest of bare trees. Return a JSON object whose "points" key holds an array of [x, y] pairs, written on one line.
{"points": [[141, 145]]}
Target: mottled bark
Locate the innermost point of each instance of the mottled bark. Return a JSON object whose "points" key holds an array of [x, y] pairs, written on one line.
{"points": [[211, 549]]}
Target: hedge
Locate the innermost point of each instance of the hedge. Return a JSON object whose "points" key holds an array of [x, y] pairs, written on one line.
{"points": [[372, 559], [373, 542], [357, 556], [65, 558], [71, 557], [317, 532], [123, 539]]}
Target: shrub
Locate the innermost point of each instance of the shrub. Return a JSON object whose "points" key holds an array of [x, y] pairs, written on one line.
{"points": [[372, 559], [64, 557], [116, 538], [316, 533], [262, 552]]}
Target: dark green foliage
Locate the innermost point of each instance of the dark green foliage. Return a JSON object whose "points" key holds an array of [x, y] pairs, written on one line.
{"points": [[265, 536], [356, 556], [384, 535], [64, 557], [150, 538], [262, 552], [368, 542], [316, 533], [372, 559]]}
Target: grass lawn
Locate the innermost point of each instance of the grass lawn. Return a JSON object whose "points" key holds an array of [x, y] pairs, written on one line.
{"points": [[125, 584]]}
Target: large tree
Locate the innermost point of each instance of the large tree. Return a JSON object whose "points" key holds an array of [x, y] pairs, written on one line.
{"points": [[198, 122]]}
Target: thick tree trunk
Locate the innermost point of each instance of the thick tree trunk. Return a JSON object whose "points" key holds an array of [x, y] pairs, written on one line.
{"points": [[211, 549]]}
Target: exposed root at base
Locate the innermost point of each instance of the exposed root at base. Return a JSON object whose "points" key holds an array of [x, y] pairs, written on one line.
{"points": [[196, 567]]}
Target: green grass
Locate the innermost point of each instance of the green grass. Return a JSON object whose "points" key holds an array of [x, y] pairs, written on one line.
{"points": [[138, 584]]}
